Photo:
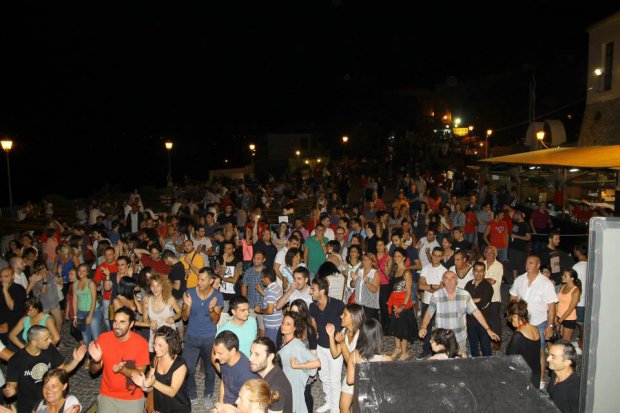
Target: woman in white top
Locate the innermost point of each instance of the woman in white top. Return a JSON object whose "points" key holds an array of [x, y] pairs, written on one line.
{"points": [[344, 342], [366, 283], [369, 348], [160, 308], [55, 394], [335, 279]]}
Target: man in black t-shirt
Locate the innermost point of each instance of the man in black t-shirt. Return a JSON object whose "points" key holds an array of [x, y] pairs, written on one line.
{"points": [[27, 367], [12, 301], [459, 243], [517, 248], [177, 279], [563, 387], [325, 310], [262, 362]]}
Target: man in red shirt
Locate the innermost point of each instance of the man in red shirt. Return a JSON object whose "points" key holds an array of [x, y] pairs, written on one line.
{"points": [[496, 234], [152, 258], [540, 222], [109, 266], [120, 353]]}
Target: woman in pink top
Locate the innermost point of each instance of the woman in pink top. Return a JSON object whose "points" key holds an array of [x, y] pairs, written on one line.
{"points": [[568, 297]]}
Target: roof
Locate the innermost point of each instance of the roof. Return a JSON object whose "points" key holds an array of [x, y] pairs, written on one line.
{"points": [[582, 157]]}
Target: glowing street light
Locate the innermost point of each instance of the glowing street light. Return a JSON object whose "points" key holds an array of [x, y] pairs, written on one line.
{"points": [[540, 135], [169, 145], [598, 71], [298, 153], [345, 139], [486, 142], [7, 145], [471, 128], [319, 160], [457, 122], [252, 147]]}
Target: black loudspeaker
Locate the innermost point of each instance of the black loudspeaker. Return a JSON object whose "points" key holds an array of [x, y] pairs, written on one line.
{"points": [[483, 384]]}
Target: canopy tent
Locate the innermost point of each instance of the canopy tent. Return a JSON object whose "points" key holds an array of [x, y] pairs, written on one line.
{"points": [[601, 157], [583, 157]]}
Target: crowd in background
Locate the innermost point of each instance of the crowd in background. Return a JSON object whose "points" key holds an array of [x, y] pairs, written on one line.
{"points": [[271, 302]]}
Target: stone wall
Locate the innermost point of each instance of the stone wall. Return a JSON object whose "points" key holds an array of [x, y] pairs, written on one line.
{"points": [[601, 124]]}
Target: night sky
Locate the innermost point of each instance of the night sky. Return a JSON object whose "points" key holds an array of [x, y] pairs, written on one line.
{"points": [[88, 91]]}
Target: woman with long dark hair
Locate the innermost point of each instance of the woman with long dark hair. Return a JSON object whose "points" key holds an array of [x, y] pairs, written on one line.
{"points": [[566, 307], [402, 321], [344, 342], [526, 339], [369, 348], [444, 344]]}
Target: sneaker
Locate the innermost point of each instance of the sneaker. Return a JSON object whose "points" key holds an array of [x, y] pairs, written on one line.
{"points": [[209, 403], [324, 408], [423, 356]]}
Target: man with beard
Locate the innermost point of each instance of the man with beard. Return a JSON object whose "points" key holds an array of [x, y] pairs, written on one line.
{"points": [[264, 362], [120, 353]]}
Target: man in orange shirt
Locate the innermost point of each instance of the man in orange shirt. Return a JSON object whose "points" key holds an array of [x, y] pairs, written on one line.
{"points": [[120, 353]]}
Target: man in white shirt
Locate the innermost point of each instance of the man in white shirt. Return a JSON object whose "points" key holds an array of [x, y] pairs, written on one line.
{"points": [[431, 277], [299, 290], [426, 245], [494, 275], [539, 293]]}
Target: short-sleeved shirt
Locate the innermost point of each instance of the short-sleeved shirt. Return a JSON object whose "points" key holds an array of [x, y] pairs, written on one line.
{"points": [[331, 314], [424, 244], [272, 295], [316, 255], [246, 333], [199, 324], [134, 352], [540, 219], [450, 313], [177, 273], [27, 371], [252, 278], [433, 275], [521, 229], [159, 266], [301, 295], [495, 272], [196, 259], [234, 377], [278, 382], [538, 296], [565, 394], [99, 276]]}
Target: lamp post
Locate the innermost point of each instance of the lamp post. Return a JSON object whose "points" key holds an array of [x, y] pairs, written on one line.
{"points": [[7, 144], [486, 143], [298, 153], [345, 139], [540, 135], [169, 145], [253, 154]]}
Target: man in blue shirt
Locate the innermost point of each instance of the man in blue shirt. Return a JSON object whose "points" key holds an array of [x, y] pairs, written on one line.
{"points": [[233, 365], [202, 306]]}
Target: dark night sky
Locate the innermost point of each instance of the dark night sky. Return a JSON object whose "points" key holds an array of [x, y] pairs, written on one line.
{"points": [[90, 90]]}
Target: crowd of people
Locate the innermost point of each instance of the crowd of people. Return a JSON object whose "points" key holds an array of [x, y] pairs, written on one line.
{"points": [[273, 305]]}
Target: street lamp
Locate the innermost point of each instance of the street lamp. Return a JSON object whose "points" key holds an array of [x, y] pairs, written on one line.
{"points": [[540, 135], [457, 122], [345, 139], [298, 153], [169, 145], [7, 144], [471, 128], [486, 143]]}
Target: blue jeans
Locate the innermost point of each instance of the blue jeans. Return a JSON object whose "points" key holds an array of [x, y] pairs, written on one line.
{"points": [[193, 348], [478, 337], [93, 330]]}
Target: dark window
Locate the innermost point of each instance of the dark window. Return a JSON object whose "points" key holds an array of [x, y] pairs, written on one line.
{"points": [[609, 65]]}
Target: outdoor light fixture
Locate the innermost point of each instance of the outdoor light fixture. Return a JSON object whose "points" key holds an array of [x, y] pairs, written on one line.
{"points": [[252, 147], [540, 135], [345, 139], [168, 145], [486, 142], [297, 152], [319, 160], [471, 128], [573, 170], [307, 162], [457, 121], [598, 71], [7, 144]]}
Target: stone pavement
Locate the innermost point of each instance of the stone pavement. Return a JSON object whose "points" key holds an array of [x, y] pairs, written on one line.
{"points": [[86, 388]]}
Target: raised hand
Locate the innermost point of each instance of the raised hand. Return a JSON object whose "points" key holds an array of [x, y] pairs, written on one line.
{"points": [[330, 329], [212, 303], [339, 337], [79, 353], [95, 352], [187, 299], [118, 367]]}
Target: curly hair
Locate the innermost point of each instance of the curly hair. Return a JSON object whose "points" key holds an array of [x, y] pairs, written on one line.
{"points": [[172, 338], [166, 287]]}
